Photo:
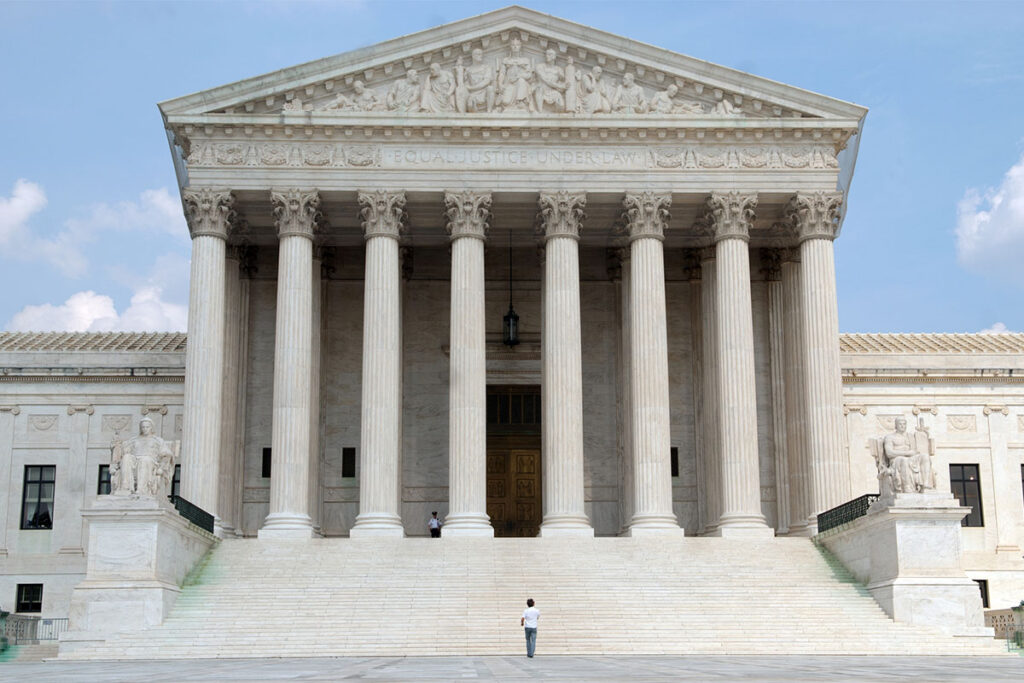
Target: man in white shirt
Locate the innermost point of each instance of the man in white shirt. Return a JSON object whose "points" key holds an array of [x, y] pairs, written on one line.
{"points": [[434, 524], [529, 621]]}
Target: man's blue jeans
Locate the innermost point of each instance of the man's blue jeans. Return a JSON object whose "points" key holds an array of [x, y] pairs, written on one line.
{"points": [[531, 641]]}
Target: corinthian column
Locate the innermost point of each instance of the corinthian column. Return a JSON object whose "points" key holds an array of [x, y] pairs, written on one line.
{"points": [[561, 215], [382, 213], [709, 392], [646, 214], [209, 215], [799, 496], [468, 213], [296, 213], [729, 216], [815, 219]]}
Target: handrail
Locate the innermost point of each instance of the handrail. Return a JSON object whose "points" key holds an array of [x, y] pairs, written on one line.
{"points": [[193, 513], [847, 512]]}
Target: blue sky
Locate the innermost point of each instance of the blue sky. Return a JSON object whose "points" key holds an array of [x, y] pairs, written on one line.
{"points": [[91, 233]]}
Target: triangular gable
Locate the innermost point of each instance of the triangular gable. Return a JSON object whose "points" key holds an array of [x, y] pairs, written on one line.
{"points": [[592, 73]]}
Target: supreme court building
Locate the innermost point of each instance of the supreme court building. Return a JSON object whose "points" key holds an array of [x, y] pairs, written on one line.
{"points": [[539, 278]]}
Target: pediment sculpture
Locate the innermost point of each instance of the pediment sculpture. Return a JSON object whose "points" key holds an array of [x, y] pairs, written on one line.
{"points": [[904, 460], [142, 465], [517, 83]]}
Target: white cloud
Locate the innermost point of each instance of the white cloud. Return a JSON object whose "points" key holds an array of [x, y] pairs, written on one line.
{"points": [[155, 210], [990, 228], [91, 312], [26, 199], [997, 328]]}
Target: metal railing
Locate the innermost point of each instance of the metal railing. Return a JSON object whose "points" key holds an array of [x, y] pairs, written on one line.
{"points": [[19, 629], [193, 513], [847, 512]]}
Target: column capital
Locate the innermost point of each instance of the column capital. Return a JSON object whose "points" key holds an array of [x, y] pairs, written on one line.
{"points": [[707, 254], [691, 264], [615, 258], [560, 214], [728, 215], [645, 214], [468, 214], [208, 211], [296, 212], [771, 264], [814, 215], [382, 213]]}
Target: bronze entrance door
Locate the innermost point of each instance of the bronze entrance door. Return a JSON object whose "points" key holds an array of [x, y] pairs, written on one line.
{"points": [[513, 460]]}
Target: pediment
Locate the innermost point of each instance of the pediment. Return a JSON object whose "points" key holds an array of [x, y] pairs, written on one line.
{"points": [[512, 62]]}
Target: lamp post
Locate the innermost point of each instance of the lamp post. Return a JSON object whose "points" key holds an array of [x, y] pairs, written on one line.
{"points": [[510, 323]]}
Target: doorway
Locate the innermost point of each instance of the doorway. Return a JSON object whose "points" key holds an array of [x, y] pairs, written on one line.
{"points": [[514, 460]]}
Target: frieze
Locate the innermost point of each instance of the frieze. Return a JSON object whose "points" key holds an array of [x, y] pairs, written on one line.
{"points": [[528, 157], [116, 423], [41, 423]]}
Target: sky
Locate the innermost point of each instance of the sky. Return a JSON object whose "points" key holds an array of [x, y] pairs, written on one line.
{"points": [[91, 229]]}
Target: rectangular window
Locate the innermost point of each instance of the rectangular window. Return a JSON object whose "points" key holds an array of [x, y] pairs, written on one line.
{"points": [[965, 484], [983, 587], [675, 461], [103, 483], [348, 462], [176, 482], [30, 597], [266, 463], [37, 497]]}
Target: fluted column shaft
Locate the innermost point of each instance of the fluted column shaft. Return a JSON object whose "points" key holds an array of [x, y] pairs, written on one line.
{"points": [[316, 331], [814, 217], [467, 434], [771, 266], [209, 215], [709, 366], [625, 410], [380, 429], [732, 215], [799, 494], [564, 510], [229, 486], [646, 215], [296, 212]]}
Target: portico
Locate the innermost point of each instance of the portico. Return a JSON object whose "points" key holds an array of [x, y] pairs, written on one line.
{"points": [[632, 223]]}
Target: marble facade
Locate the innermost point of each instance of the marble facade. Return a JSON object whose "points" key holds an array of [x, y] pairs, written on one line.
{"points": [[665, 230]]}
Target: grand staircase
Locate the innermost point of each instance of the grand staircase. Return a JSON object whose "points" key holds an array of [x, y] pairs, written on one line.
{"points": [[341, 597]]}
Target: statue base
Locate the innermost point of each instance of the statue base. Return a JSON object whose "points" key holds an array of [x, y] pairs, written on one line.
{"points": [[140, 551], [907, 551]]}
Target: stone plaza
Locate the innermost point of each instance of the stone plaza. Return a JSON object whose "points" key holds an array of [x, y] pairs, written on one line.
{"points": [[573, 292]]}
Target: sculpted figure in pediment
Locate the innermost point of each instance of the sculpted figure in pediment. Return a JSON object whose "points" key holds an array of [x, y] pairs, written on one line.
{"points": [[725, 108], [438, 90], [474, 85], [405, 94], [664, 102], [549, 93], [629, 97], [364, 99], [294, 105], [514, 76], [593, 93]]}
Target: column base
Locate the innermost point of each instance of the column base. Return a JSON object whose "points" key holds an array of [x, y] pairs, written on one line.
{"points": [[801, 530], [467, 524], [743, 526], [650, 524], [377, 525], [286, 525], [566, 525]]}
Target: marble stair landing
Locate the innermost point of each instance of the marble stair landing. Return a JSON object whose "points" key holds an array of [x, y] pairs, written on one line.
{"points": [[464, 596]]}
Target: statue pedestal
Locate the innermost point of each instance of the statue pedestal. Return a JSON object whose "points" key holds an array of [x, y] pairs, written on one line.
{"points": [[908, 554], [140, 551]]}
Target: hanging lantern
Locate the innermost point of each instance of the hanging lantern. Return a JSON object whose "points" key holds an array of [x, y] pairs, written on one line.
{"points": [[510, 327]]}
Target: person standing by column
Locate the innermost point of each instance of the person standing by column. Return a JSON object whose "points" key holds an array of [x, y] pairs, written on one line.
{"points": [[529, 622], [434, 524]]}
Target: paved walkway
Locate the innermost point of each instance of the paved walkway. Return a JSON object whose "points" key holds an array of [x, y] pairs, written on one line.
{"points": [[780, 668]]}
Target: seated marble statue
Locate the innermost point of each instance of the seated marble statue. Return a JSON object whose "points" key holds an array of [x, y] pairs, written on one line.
{"points": [[142, 465], [905, 464]]}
